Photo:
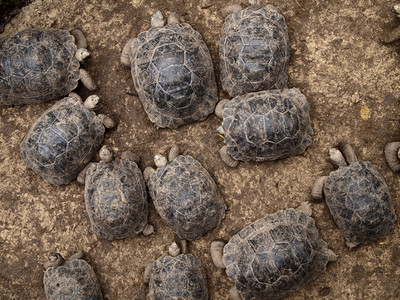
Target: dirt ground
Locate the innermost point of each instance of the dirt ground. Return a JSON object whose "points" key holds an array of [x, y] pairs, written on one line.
{"points": [[336, 53]]}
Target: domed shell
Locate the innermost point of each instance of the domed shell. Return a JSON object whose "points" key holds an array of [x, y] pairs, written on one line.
{"points": [[74, 279], [173, 75], [180, 277], [186, 197], [267, 125], [62, 141], [360, 203], [37, 65], [275, 256], [254, 51], [116, 199]]}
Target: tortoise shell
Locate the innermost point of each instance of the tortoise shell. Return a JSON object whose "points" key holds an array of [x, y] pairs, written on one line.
{"points": [[62, 141], [116, 199], [74, 279], [360, 203], [186, 197], [37, 65], [254, 51], [173, 75], [180, 277], [267, 125], [275, 255]]}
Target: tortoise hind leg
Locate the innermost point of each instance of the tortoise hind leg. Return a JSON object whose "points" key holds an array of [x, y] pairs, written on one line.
{"points": [[80, 39], [87, 80], [125, 54]]}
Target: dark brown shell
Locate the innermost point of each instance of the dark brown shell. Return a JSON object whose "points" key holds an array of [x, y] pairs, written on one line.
{"points": [[74, 279], [173, 75], [62, 141], [276, 255], [37, 65]]}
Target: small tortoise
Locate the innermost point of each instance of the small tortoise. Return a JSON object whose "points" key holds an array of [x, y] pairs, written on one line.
{"points": [[116, 198], [64, 139], [274, 256], [172, 71], [254, 50], [264, 126], [357, 197], [39, 65], [185, 195], [70, 279], [176, 276]]}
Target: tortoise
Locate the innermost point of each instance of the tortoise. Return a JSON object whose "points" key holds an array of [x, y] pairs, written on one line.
{"points": [[185, 195], [357, 197], [264, 126], [254, 49], [64, 139], [274, 256], [38, 65], [116, 197], [70, 279], [172, 72], [176, 276]]}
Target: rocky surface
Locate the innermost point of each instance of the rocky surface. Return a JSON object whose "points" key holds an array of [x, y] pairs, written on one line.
{"points": [[337, 60]]}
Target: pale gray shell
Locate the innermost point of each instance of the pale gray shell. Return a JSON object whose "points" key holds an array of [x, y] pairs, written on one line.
{"points": [[186, 197], [275, 256], [62, 141], [254, 51], [74, 279], [267, 125], [360, 203], [116, 199], [173, 75], [37, 65], [181, 277]]}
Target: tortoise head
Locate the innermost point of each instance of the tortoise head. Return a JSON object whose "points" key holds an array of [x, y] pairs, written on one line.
{"points": [[55, 259]]}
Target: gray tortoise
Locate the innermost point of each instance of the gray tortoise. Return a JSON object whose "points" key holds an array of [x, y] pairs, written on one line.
{"points": [[264, 126], [185, 195], [39, 65], [274, 256], [116, 197], [172, 72], [70, 279], [357, 197], [254, 49], [64, 139], [176, 276]]}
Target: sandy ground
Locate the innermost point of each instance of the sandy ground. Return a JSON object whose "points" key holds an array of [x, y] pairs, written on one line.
{"points": [[336, 51]]}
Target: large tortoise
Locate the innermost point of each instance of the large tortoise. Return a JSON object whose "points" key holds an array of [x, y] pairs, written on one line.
{"points": [[39, 65], [70, 279], [116, 197], [185, 195], [176, 276], [264, 126], [172, 72], [274, 256], [357, 197], [254, 50], [64, 139]]}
